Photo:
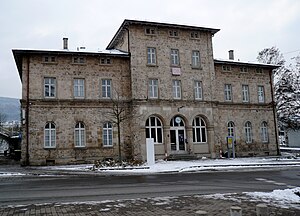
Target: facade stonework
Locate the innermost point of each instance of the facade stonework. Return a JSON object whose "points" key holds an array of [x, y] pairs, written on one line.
{"points": [[171, 89]]}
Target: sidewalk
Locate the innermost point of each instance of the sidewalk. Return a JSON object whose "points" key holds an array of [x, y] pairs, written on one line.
{"points": [[168, 206]]}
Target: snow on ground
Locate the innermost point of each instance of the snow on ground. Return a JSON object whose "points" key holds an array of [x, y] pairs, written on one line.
{"points": [[280, 198], [162, 166], [284, 198]]}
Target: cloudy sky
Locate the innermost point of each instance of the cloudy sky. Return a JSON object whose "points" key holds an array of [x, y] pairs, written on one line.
{"points": [[246, 26]]}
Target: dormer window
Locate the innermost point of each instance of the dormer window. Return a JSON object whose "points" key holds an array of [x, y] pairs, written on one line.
{"points": [[195, 35], [173, 33], [150, 31], [49, 59], [79, 60]]}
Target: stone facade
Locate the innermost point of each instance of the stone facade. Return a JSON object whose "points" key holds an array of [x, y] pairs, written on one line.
{"points": [[173, 90]]}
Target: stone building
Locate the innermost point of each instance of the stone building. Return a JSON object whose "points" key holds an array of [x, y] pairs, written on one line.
{"points": [[163, 79]]}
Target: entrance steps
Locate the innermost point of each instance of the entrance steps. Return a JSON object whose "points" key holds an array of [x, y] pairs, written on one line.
{"points": [[183, 157]]}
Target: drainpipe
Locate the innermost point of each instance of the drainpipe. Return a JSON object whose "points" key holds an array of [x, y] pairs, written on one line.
{"points": [[274, 113], [27, 114]]}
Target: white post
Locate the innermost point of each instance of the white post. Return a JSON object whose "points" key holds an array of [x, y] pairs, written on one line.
{"points": [[235, 211], [150, 151], [262, 210]]}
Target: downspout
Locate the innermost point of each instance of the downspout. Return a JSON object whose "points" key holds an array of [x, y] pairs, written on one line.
{"points": [[274, 113], [27, 113]]}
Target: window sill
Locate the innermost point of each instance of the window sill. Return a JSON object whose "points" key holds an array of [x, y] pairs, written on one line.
{"points": [[196, 68], [49, 148], [108, 147], [80, 147], [50, 63], [151, 65]]}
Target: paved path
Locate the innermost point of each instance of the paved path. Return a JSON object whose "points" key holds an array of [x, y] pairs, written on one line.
{"points": [[181, 206]]}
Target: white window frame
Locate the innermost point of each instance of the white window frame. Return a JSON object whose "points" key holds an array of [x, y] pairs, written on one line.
{"points": [[157, 128], [78, 87], [153, 88], [50, 135], [175, 57], [198, 92], [79, 135], [261, 94], [264, 132], [49, 87], [199, 129], [106, 88], [248, 132], [245, 93], [196, 59], [151, 56], [176, 89], [107, 134], [228, 92]]}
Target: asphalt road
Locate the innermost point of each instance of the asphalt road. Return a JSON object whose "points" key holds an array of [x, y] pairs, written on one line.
{"points": [[82, 188]]}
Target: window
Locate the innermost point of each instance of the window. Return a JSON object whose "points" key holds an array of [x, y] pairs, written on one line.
{"points": [[264, 132], [151, 56], [198, 90], [230, 128], [154, 129], [49, 59], [107, 135], [195, 35], [79, 88], [199, 130], [106, 88], [49, 135], [79, 135], [173, 33], [226, 68], [195, 59], [228, 92], [176, 89], [259, 70], [248, 132], [174, 57], [245, 93], [261, 94], [78, 59], [243, 69], [150, 31], [105, 61], [153, 88], [49, 87]]}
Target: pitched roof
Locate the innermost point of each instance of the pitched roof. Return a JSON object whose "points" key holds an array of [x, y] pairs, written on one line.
{"points": [[127, 22]]}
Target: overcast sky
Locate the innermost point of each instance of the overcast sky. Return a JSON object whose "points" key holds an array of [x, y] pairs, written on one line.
{"points": [[247, 26]]}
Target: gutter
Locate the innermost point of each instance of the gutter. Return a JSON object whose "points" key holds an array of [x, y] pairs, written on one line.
{"points": [[27, 114], [274, 114]]}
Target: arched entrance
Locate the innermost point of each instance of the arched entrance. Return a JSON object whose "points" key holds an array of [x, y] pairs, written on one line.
{"points": [[177, 135]]}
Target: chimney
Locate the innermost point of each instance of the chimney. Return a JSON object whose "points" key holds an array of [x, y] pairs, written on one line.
{"points": [[231, 56], [65, 43]]}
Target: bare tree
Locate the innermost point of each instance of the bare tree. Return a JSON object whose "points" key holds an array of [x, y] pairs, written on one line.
{"points": [[118, 113]]}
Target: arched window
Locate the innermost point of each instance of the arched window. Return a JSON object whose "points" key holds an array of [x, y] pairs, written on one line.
{"points": [[248, 132], [199, 130], [79, 135], [107, 134], [49, 135], [230, 128], [154, 129], [177, 121], [264, 132]]}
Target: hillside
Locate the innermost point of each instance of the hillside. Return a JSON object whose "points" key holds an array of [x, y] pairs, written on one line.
{"points": [[10, 107]]}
